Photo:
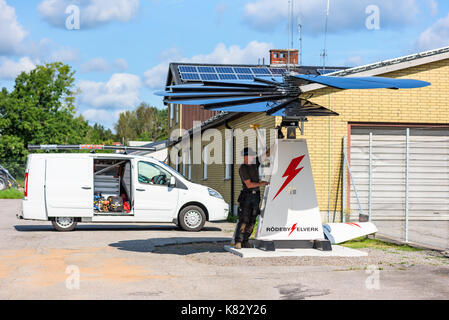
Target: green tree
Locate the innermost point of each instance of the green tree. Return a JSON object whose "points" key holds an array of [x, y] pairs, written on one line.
{"points": [[98, 134], [146, 123], [39, 110]]}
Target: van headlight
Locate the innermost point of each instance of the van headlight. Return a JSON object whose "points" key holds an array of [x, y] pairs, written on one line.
{"points": [[214, 193]]}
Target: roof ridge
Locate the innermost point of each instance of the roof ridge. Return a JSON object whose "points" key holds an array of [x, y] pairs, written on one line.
{"points": [[390, 62]]}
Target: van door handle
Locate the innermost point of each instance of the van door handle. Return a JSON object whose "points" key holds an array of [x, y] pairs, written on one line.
{"points": [[141, 190], [86, 188]]}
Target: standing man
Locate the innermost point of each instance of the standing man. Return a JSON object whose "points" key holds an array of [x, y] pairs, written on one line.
{"points": [[249, 197]]}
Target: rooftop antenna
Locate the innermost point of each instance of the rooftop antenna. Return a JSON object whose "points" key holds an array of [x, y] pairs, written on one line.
{"points": [[329, 125], [300, 33], [325, 36], [300, 40], [290, 31]]}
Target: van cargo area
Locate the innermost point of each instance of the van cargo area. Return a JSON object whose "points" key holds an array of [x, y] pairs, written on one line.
{"points": [[112, 187]]}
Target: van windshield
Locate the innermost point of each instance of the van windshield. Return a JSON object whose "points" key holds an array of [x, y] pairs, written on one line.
{"points": [[169, 168]]}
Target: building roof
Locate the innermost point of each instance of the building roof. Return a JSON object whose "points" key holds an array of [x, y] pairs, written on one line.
{"points": [[174, 76], [158, 145], [387, 66]]}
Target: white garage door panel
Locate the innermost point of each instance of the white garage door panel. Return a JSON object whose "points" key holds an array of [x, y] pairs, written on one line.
{"points": [[428, 172]]}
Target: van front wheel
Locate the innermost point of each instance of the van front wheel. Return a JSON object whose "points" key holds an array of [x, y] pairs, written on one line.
{"points": [[64, 223], [192, 218]]}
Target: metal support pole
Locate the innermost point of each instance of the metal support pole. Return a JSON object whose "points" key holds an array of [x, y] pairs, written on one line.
{"points": [[329, 173], [353, 184], [343, 200], [407, 167], [370, 188]]}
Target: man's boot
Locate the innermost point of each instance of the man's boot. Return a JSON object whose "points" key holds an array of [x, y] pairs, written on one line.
{"points": [[245, 244]]}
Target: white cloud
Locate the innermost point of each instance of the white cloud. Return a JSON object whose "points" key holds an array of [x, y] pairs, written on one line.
{"points": [[354, 61], [12, 33], [267, 15], [220, 11], [155, 78], [10, 69], [121, 64], [435, 36], [103, 116], [95, 65], [64, 54], [93, 13], [433, 5], [100, 64], [121, 91]]}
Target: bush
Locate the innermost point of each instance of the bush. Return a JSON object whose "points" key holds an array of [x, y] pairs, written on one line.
{"points": [[11, 194]]}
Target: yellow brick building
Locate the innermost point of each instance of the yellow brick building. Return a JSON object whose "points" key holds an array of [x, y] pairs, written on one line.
{"points": [[417, 108]]}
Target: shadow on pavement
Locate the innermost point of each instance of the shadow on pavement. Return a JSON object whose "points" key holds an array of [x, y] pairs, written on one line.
{"points": [[177, 245], [108, 227]]}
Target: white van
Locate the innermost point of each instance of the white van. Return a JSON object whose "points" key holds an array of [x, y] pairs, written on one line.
{"points": [[86, 187]]}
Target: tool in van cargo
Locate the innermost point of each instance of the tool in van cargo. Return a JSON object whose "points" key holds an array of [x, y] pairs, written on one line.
{"points": [[115, 204]]}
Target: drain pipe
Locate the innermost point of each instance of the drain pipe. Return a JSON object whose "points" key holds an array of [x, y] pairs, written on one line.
{"points": [[232, 168]]}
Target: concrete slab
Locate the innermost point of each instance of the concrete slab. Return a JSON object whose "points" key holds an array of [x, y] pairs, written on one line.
{"points": [[337, 251]]}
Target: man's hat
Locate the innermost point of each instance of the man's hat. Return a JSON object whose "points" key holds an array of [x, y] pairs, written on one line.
{"points": [[248, 152]]}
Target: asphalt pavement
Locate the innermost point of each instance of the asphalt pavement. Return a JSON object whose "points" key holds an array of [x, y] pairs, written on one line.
{"points": [[160, 261]]}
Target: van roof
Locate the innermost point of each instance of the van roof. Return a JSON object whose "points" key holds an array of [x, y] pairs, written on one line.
{"points": [[89, 155]]}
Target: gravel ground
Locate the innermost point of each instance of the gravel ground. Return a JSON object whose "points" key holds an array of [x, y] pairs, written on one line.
{"points": [[214, 254]]}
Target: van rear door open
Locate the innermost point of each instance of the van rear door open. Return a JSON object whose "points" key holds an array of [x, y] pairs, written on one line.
{"points": [[69, 187]]}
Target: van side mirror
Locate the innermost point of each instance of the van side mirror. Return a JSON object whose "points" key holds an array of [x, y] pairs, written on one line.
{"points": [[172, 182]]}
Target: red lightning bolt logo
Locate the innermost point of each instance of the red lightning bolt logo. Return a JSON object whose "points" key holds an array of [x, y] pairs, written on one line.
{"points": [[291, 172], [353, 224], [293, 229]]}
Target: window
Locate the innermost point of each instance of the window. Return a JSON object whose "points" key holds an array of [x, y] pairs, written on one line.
{"points": [[177, 108], [184, 163], [261, 145], [228, 158], [205, 160], [172, 115], [189, 174], [187, 165], [149, 173]]}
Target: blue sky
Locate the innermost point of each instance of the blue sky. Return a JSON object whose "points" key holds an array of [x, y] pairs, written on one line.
{"points": [[122, 49]]}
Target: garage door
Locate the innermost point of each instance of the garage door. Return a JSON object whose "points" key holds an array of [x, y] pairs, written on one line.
{"points": [[428, 179]]}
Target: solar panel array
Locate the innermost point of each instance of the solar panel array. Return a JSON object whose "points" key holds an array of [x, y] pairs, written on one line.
{"points": [[204, 73]]}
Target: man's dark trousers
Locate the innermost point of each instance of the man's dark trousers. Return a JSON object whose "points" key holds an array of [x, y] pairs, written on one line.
{"points": [[248, 212]]}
